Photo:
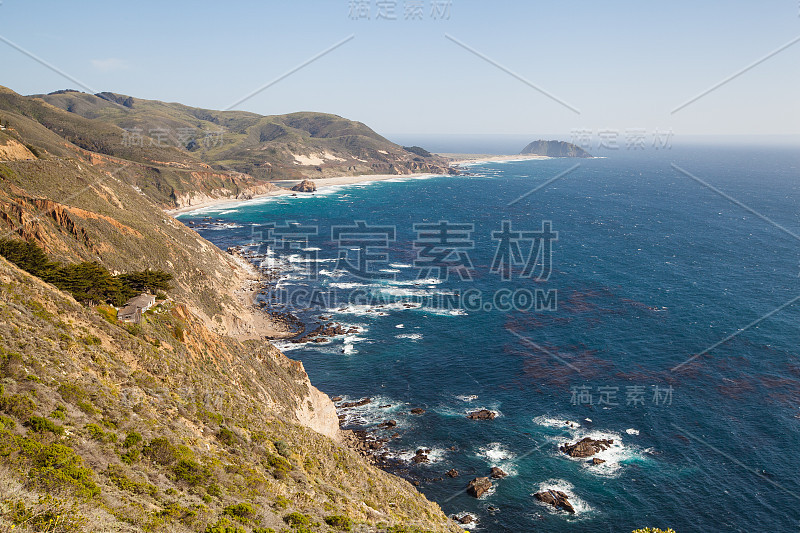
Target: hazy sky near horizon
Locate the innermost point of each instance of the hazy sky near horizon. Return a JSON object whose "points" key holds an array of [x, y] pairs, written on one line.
{"points": [[623, 65]]}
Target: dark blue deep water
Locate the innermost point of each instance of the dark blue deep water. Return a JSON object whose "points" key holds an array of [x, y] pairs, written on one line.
{"points": [[651, 268]]}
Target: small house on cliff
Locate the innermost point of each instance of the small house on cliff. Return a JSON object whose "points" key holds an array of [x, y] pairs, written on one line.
{"points": [[133, 308]]}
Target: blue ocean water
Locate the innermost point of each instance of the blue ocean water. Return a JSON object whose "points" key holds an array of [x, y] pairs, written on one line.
{"points": [[652, 273]]}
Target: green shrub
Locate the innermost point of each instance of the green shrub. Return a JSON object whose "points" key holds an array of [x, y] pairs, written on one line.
{"points": [[59, 412], [131, 439], [48, 514], [340, 522], [258, 436], [281, 502], [8, 443], [175, 511], [18, 405], [91, 340], [296, 519], [191, 472], [74, 394], [96, 433], [224, 525], [214, 490], [39, 424], [280, 466], [131, 456], [117, 476], [7, 423], [58, 467], [107, 312], [27, 446], [240, 511], [226, 436], [162, 451], [283, 448]]}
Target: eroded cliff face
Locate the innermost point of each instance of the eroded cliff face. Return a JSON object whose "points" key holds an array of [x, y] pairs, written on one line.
{"points": [[317, 412], [13, 150], [183, 200]]}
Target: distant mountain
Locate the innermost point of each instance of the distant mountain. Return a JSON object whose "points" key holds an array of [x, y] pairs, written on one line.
{"points": [[292, 146], [554, 149]]}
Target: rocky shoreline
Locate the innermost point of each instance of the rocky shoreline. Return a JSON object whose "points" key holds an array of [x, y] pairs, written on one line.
{"points": [[372, 441]]}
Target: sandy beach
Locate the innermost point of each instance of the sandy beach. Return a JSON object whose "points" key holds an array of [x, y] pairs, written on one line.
{"points": [[463, 159], [284, 188]]}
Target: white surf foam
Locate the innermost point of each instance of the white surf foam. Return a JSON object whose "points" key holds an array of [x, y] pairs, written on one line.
{"points": [[553, 422], [616, 456], [582, 508]]}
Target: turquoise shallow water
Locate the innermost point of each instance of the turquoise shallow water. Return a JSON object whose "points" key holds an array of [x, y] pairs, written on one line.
{"points": [[649, 269]]}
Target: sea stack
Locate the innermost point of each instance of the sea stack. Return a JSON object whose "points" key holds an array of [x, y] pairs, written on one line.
{"points": [[305, 186]]}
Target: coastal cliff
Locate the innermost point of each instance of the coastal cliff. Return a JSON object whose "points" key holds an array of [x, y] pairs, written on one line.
{"points": [[187, 421]]}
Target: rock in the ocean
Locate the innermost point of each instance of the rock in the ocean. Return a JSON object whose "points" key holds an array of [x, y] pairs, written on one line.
{"points": [[359, 403], [556, 498], [464, 519], [555, 149], [478, 486], [417, 411], [305, 186], [421, 456], [586, 447], [388, 424], [497, 473], [452, 473], [597, 461], [482, 414]]}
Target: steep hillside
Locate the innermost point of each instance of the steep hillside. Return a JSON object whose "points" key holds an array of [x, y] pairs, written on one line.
{"points": [[169, 427], [293, 146], [167, 175], [190, 421]]}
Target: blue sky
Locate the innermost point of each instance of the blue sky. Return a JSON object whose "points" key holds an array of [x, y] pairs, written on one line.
{"points": [[622, 64]]}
